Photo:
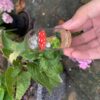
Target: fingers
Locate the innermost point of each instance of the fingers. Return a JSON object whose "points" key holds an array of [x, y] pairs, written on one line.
{"points": [[91, 45], [80, 54], [77, 21], [90, 50], [89, 54], [96, 21], [84, 38], [92, 24], [85, 27]]}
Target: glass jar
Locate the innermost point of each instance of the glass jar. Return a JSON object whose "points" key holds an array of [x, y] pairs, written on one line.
{"points": [[48, 38]]}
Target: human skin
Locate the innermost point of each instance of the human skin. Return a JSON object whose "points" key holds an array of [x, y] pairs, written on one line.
{"points": [[86, 45]]}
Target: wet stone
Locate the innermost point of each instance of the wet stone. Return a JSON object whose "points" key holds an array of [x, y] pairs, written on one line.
{"points": [[51, 11], [85, 1]]}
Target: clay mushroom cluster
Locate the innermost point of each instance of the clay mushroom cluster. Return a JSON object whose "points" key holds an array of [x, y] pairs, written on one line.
{"points": [[57, 39]]}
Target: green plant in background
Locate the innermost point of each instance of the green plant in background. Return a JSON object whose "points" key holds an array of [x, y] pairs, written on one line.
{"points": [[26, 65]]}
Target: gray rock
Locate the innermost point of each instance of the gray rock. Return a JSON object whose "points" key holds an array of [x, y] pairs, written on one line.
{"points": [[48, 12]]}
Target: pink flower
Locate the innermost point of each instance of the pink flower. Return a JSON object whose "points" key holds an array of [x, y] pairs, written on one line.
{"points": [[83, 64], [7, 18], [6, 5]]}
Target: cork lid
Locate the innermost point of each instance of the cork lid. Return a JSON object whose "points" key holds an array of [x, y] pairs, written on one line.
{"points": [[66, 37]]}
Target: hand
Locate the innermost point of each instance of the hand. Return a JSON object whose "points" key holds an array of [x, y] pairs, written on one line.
{"points": [[87, 45]]}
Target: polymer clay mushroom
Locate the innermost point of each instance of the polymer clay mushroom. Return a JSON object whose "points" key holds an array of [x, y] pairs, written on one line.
{"points": [[49, 39]]}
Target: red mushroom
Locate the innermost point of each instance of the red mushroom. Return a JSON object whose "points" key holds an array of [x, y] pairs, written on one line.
{"points": [[42, 39]]}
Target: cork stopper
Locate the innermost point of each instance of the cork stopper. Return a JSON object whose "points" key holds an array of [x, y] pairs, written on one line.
{"points": [[66, 37]]}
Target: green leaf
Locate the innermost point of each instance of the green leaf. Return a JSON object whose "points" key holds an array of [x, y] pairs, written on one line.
{"points": [[13, 56], [55, 65], [47, 67], [42, 71], [43, 64], [7, 97], [10, 79], [6, 52], [7, 43], [23, 82], [1, 93], [29, 55], [17, 63], [15, 47], [55, 43], [38, 76], [52, 54]]}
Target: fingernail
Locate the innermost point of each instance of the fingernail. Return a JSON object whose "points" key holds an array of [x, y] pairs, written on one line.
{"points": [[59, 26], [68, 23]]}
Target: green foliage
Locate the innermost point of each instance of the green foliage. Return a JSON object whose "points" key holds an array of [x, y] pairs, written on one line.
{"points": [[10, 80], [55, 43], [7, 97], [23, 82], [43, 67], [1, 93], [13, 47]]}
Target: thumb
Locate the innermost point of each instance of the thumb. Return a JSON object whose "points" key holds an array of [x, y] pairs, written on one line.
{"points": [[82, 15]]}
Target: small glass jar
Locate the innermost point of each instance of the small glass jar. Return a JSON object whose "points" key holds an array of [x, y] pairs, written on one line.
{"points": [[48, 38]]}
